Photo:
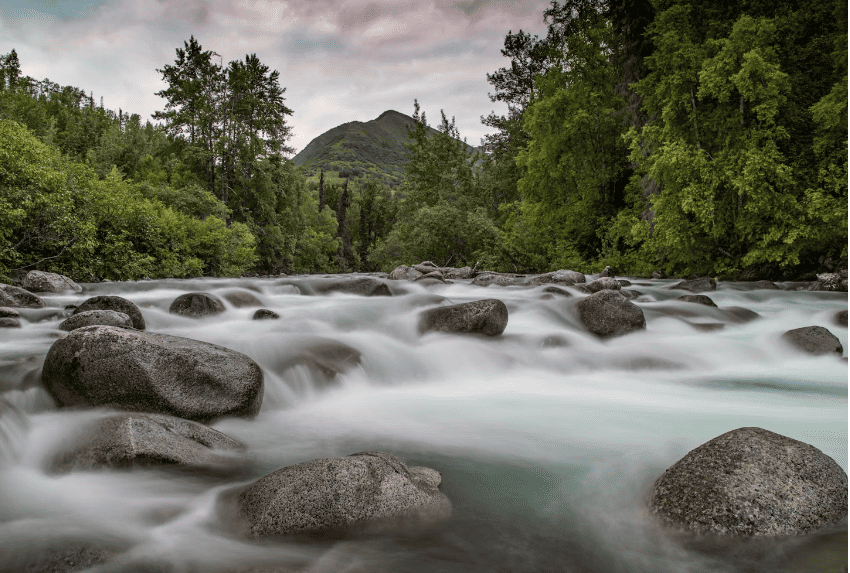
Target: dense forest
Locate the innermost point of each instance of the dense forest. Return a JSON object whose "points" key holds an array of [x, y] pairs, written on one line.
{"points": [[675, 135]]}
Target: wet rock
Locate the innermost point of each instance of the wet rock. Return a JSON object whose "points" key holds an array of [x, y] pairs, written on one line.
{"points": [[93, 317], [607, 272], [9, 322], [325, 358], [426, 267], [128, 440], [8, 312], [486, 279], [605, 283], [624, 282], [608, 313], [58, 557], [265, 314], [436, 275], [40, 281], [769, 285], [658, 275], [116, 303], [815, 340], [701, 284], [488, 317], [840, 318], [832, 282], [698, 299], [558, 291], [707, 326], [363, 286], [333, 494], [630, 294], [196, 305], [562, 277], [241, 298], [458, 273], [752, 482], [404, 273], [17, 297], [156, 373], [739, 314]]}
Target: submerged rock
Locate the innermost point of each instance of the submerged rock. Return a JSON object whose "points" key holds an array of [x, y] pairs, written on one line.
{"points": [[126, 440], [435, 275], [157, 373], [739, 314], [196, 305], [815, 340], [840, 318], [16, 297], [265, 314], [8, 312], [363, 286], [698, 299], [752, 482], [9, 322], [116, 303], [241, 298], [701, 284], [92, 317], [608, 313], [769, 285], [488, 317], [332, 494], [40, 281]]}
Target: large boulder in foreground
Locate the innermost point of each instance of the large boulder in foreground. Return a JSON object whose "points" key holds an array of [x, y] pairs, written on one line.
{"points": [[196, 305], [363, 286], [488, 317], [815, 340], [752, 482], [334, 494], [608, 313], [116, 303], [40, 281], [701, 284], [157, 373], [93, 317], [130, 440], [16, 297]]}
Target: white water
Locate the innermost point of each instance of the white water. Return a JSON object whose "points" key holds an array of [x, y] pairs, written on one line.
{"points": [[547, 438]]}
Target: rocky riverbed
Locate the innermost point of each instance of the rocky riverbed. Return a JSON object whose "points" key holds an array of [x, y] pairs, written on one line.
{"points": [[429, 420]]}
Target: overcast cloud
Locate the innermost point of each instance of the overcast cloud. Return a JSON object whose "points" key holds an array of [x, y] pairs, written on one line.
{"points": [[339, 61]]}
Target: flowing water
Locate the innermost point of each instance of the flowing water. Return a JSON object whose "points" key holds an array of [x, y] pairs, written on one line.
{"points": [[548, 439]]}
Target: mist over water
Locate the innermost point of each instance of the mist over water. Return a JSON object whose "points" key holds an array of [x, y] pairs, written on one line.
{"points": [[547, 438]]}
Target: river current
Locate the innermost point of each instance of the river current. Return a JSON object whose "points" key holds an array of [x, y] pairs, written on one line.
{"points": [[547, 438]]}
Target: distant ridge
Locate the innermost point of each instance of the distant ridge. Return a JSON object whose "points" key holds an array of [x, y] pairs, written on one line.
{"points": [[356, 148]]}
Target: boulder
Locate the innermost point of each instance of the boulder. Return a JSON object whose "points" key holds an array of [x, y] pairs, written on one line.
{"points": [[701, 284], [8, 312], [92, 317], [607, 272], [363, 286], [241, 298], [40, 281], [605, 283], [404, 273], [265, 314], [333, 494], [487, 278], [698, 299], [128, 440], [426, 267], [325, 358], [116, 303], [658, 275], [832, 282], [488, 317], [196, 305], [9, 322], [752, 482], [608, 313], [157, 373], [815, 340], [740, 314], [454, 273], [436, 275], [558, 291], [624, 282], [840, 318], [630, 294], [17, 297], [562, 277]]}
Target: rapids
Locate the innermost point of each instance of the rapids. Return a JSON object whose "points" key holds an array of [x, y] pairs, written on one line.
{"points": [[548, 439]]}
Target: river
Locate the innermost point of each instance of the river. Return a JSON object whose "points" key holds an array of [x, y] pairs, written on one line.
{"points": [[547, 438]]}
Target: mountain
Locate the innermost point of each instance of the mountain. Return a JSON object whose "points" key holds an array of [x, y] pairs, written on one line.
{"points": [[356, 148]]}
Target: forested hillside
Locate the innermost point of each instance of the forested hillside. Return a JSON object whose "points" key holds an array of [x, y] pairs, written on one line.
{"points": [[680, 136]]}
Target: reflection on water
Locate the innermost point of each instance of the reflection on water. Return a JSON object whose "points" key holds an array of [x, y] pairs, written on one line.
{"points": [[548, 439]]}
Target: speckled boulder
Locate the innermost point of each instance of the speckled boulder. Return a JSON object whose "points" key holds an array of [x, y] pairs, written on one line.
{"points": [[8, 312], [196, 305], [40, 281], [814, 340], [404, 273], [605, 283], [561, 277], [333, 494], [265, 314], [157, 373], [116, 303], [16, 297], [433, 276], [92, 317], [363, 286], [608, 313], [752, 482], [487, 279], [698, 299], [701, 284], [488, 317], [126, 440]]}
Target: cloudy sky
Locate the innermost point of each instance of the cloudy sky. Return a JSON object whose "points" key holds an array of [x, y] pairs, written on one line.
{"points": [[339, 60]]}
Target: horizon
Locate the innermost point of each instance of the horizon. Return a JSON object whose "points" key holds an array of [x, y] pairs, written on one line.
{"points": [[339, 62]]}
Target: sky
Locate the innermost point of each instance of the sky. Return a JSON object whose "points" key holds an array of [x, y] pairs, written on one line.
{"points": [[339, 60]]}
